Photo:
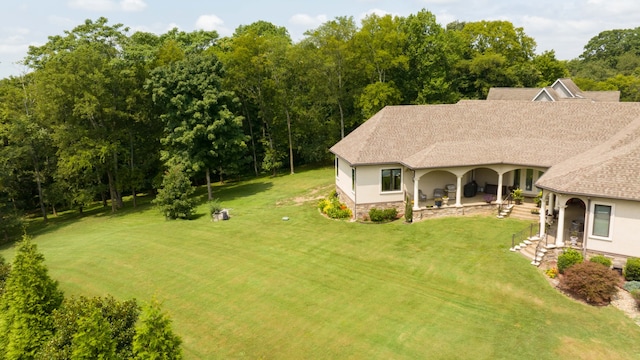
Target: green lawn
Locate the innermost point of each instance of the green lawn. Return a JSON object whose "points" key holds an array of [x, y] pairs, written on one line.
{"points": [[313, 288]]}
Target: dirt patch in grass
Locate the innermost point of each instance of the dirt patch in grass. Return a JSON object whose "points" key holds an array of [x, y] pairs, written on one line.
{"points": [[313, 195]]}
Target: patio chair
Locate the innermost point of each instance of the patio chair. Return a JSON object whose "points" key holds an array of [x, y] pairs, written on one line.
{"points": [[438, 193], [422, 196]]}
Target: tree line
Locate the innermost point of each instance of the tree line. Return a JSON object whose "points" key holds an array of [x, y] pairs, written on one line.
{"points": [[104, 112]]}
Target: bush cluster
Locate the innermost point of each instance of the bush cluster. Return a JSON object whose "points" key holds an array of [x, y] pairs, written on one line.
{"points": [[567, 259], [632, 269], [600, 259], [591, 282], [380, 215], [333, 208]]}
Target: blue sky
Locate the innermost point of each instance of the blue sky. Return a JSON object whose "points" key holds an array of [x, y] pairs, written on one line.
{"points": [[562, 25]]}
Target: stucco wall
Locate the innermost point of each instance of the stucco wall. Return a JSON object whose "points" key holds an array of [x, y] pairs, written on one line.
{"points": [[624, 230], [369, 187], [343, 180]]}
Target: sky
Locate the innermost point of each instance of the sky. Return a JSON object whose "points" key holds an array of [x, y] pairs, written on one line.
{"points": [[561, 25]]}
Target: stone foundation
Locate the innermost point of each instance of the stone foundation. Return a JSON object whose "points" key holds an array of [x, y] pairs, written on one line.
{"points": [[362, 210], [431, 213]]}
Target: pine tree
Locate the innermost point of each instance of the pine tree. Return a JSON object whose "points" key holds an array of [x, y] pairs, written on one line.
{"points": [[29, 298], [154, 339]]}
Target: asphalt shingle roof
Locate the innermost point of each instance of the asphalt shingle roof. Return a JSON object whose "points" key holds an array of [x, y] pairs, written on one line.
{"points": [[473, 133]]}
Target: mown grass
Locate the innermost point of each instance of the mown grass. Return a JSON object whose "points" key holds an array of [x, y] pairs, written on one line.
{"points": [[260, 287]]}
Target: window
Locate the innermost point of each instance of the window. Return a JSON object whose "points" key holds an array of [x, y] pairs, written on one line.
{"points": [[337, 166], [353, 179], [516, 178], [601, 220], [529, 180], [391, 179]]}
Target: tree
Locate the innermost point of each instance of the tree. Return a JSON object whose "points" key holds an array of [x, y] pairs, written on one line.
{"points": [[82, 324], [29, 298], [201, 130], [174, 198], [154, 337]]}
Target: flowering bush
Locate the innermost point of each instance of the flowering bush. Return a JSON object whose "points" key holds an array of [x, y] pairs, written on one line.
{"points": [[489, 198], [552, 272], [333, 208]]}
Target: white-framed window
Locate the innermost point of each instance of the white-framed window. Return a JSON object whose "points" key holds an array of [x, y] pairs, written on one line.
{"points": [[337, 163], [602, 220], [391, 180]]}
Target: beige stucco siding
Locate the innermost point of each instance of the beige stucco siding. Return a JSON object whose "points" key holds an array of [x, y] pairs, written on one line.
{"points": [[624, 236], [369, 187], [343, 178]]}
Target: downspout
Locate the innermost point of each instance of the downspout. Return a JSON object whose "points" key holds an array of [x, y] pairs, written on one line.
{"points": [[585, 233]]}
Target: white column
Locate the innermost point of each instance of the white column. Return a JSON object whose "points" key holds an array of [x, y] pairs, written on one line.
{"points": [[459, 192], [416, 195], [551, 203], [560, 237], [543, 216], [499, 196]]}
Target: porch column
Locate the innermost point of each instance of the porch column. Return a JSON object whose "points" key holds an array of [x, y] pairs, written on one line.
{"points": [[560, 237], [499, 195], [459, 192], [543, 216], [551, 204], [416, 193]]}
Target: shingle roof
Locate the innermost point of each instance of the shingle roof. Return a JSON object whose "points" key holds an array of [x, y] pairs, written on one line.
{"points": [[561, 90], [608, 170], [484, 132]]}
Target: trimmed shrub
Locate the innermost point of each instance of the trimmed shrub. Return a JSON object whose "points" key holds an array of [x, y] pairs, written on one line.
{"points": [[567, 259], [379, 215], [632, 269], [631, 285], [600, 259], [591, 282], [408, 210]]}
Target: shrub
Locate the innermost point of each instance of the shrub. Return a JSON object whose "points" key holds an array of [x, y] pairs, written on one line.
{"points": [[333, 208], [379, 215], [632, 269], [408, 210], [590, 281], [552, 273], [631, 285], [636, 295], [600, 259], [567, 259], [215, 206]]}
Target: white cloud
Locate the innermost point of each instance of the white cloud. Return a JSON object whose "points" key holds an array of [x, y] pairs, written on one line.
{"points": [[212, 22], [132, 5], [308, 20], [108, 5], [93, 5]]}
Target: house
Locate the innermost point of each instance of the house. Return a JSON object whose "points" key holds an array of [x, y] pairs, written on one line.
{"points": [[561, 90], [584, 155]]}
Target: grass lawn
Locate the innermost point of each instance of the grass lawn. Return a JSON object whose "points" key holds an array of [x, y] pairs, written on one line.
{"points": [[313, 288]]}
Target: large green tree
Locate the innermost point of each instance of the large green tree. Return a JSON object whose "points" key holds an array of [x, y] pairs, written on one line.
{"points": [[201, 130]]}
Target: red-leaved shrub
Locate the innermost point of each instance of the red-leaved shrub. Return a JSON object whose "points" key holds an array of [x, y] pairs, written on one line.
{"points": [[591, 282]]}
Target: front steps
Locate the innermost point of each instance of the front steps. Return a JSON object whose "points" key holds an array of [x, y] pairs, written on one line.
{"points": [[528, 248], [521, 211]]}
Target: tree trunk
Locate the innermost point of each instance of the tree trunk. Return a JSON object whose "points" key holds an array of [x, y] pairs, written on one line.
{"points": [[133, 184], [36, 168], [112, 192], [209, 191], [290, 141], [341, 120], [118, 194], [253, 143]]}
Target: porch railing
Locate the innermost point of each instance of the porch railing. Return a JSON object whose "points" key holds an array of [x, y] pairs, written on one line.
{"points": [[506, 201], [522, 235]]}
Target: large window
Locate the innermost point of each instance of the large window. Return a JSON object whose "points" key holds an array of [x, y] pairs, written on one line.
{"points": [[391, 179], [529, 180], [601, 220]]}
